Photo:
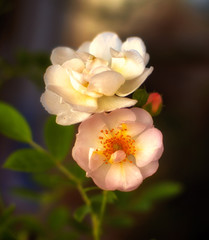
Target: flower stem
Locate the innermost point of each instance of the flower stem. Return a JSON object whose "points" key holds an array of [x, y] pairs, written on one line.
{"points": [[94, 217]]}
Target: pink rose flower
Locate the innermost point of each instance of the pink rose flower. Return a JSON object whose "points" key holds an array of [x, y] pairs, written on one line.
{"points": [[118, 149]]}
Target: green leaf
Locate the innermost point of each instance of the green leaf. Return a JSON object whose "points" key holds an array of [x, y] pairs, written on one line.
{"points": [[29, 160], [155, 193], [58, 138], [111, 197], [122, 221], [141, 96], [59, 218], [13, 124], [81, 212]]}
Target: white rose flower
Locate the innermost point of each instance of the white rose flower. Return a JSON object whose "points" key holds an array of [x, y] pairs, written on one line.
{"points": [[95, 78]]}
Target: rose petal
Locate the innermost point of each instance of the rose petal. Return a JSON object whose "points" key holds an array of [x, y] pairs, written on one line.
{"points": [[53, 103], [134, 128], [130, 86], [78, 101], [115, 118], [106, 82], [86, 140], [56, 75], [149, 147], [71, 117], [130, 66], [96, 159], [107, 104], [61, 54], [74, 64], [117, 156], [142, 116], [134, 43], [101, 44], [65, 115], [123, 176], [84, 47], [149, 169]]}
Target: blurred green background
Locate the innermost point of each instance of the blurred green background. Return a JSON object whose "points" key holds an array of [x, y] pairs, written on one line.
{"points": [[176, 33]]}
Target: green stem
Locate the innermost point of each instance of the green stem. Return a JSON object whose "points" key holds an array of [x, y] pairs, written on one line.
{"points": [[103, 206], [94, 218]]}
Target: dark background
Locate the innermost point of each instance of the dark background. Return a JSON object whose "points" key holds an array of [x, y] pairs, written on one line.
{"points": [[176, 34]]}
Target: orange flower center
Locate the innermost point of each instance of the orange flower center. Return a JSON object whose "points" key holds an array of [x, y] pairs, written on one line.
{"points": [[116, 139]]}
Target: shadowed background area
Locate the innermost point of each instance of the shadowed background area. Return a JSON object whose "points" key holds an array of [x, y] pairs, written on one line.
{"points": [[176, 34]]}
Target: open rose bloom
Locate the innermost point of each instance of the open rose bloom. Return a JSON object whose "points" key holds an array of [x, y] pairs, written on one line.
{"points": [[118, 149], [95, 78]]}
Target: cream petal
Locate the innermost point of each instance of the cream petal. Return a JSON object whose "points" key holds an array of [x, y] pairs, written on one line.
{"points": [[149, 169], [106, 82], [134, 43], [71, 117], [101, 44], [78, 101], [130, 66], [86, 140], [61, 54], [115, 118], [143, 117], [74, 64], [54, 103], [56, 75], [149, 147], [84, 47], [107, 104], [95, 159], [130, 86], [123, 176]]}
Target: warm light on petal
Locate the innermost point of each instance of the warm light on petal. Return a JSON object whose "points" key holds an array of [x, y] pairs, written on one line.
{"points": [[101, 82], [107, 104], [101, 44], [61, 54], [135, 43], [130, 66], [130, 86], [149, 147]]}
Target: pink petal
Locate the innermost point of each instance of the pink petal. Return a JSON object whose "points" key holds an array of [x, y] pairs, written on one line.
{"points": [[149, 147], [86, 138], [96, 159], [123, 176], [143, 117], [149, 169], [115, 118]]}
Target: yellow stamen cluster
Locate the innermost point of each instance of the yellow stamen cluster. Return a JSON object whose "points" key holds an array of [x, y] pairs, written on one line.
{"points": [[116, 139]]}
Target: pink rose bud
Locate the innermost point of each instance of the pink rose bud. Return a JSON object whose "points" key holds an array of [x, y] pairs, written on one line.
{"points": [[154, 104]]}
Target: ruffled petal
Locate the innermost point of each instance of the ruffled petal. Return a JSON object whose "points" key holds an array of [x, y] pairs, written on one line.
{"points": [[101, 44], [61, 54], [107, 104], [78, 101], [54, 104], [149, 169], [85, 140], [134, 43], [57, 75], [106, 82], [123, 176], [71, 117], [143, 117], [131, 65], [130, 86], [149, 147]]}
